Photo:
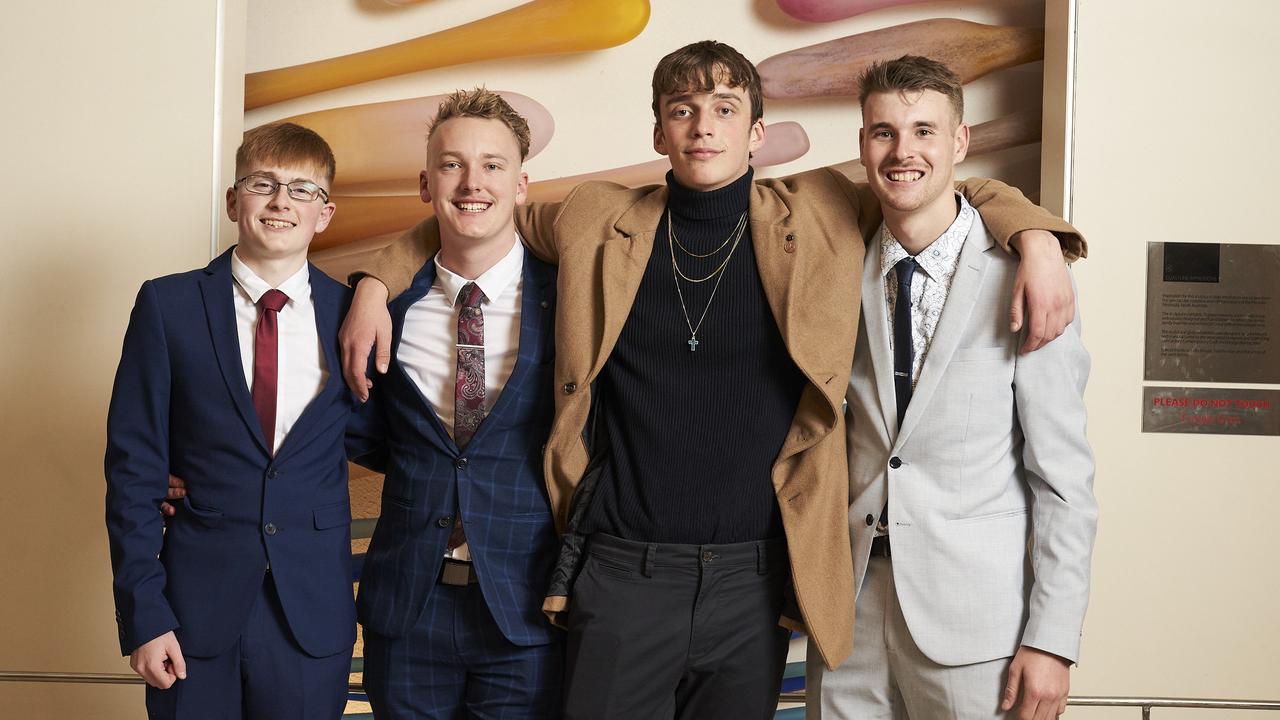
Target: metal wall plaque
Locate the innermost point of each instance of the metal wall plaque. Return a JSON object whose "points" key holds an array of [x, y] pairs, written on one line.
{"points": [[1224, 411], [1213, 312]]}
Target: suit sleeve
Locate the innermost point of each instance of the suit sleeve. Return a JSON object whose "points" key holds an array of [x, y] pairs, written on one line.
{"points": [[537, 225], [396, 264], [1049, 391], [1007, 212], [137, 472]]}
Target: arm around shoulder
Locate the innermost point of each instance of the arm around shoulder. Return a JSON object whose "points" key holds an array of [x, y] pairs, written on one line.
{"points": [[1007, 212], [396, 264], [536, 223]]}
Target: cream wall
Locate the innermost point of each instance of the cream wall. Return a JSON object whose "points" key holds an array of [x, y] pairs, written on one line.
{"points": [[106, 95], [1170, 96], [108, 149]]}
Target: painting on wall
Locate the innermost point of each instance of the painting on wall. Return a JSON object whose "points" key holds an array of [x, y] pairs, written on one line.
{"points": [[368, 75]]}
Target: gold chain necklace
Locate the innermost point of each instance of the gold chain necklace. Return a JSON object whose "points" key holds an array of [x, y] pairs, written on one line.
{"points": [[671, 240], [737, 230], [718, 274]]}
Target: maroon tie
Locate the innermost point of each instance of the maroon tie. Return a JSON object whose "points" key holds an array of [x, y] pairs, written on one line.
{"points": [[468, 393], [266, 363]]}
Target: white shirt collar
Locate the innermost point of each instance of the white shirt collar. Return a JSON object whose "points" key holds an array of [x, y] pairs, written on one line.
{"points": [[940, 255], [493, 283], [297, 286]]}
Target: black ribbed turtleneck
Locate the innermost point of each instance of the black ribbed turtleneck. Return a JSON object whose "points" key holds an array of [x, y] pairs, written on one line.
{"points": [[692, 436]]}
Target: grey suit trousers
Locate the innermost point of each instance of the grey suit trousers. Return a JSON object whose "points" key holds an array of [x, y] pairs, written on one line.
{"points": [[888, 677]]}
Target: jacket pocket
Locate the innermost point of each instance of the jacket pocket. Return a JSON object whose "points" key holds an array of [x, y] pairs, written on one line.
{"points": [[1015, 512], [332, 516], [209, 517], [537, 516]]}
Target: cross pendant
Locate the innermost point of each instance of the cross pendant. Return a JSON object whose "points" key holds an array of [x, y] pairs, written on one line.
{"points": [[693, 343]]}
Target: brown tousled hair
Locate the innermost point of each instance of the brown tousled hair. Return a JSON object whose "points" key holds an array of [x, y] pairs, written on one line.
{"points": [[699, 66], [284, 144], [487, 105], [913, 73]]}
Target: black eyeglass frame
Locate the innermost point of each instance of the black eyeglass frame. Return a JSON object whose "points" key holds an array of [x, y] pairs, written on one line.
{"points": [[288, 186]]}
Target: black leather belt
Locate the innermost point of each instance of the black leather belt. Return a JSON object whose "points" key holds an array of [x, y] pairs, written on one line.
{"points": [[880, 547], [458, 573]]}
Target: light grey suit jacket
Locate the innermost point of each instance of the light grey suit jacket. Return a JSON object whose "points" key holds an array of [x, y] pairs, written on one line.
{"points": [[991, 510]]}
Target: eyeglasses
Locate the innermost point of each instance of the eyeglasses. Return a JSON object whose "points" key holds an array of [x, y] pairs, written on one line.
{"points": [[300, 190]]}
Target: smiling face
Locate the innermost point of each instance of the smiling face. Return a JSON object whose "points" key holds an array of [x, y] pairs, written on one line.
{"points": [[911, 142], [474, 180], [709, 136], [277, 228]]}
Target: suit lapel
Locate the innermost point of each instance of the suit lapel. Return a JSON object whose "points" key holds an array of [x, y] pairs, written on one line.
{"points": [[970, 271], [421, 285], [326, 299], [875, 322], [623, 262], [535, 309], [774, 264], [219, 308]]}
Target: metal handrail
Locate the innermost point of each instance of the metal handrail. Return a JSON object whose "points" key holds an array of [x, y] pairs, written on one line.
{"points": [[101, 679], [1145, 703]]}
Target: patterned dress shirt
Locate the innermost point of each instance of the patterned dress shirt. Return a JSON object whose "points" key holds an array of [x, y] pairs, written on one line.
{"points": [[931, 282]]}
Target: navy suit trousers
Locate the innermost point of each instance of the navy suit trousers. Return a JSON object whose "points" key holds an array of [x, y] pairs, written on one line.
{"points": [[455, 662], [264, 676]]}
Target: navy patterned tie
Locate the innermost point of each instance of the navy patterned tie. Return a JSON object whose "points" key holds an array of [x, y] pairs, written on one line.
{"points": [[903, 347]]}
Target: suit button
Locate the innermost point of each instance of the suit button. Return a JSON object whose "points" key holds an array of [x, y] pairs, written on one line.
{"points": [[444, 522], [895, 462], [570, 388], [273, 473], [461, 463], [270, 529], [871, 519]]}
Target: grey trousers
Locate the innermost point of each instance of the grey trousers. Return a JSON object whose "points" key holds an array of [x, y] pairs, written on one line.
{"points": [[888, 677]]}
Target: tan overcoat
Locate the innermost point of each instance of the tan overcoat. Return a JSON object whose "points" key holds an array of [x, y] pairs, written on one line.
{"points": [[808, 232]]}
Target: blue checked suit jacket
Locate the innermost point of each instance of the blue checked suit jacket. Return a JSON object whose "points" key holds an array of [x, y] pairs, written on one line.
{"points": [[496, 483]]}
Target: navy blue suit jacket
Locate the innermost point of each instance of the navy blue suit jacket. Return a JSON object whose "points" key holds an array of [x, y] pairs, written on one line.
{"points": [[181, 405], [496, 482]]}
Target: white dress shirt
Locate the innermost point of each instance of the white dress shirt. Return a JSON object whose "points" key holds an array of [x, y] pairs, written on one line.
{"points": [[428, 343], [301, 371], [930, 283]]}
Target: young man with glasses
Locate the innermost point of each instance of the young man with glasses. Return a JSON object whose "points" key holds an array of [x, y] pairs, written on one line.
{"points": [[229, 378]]}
